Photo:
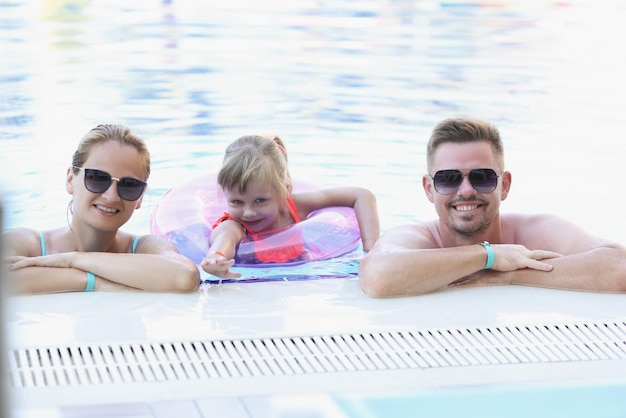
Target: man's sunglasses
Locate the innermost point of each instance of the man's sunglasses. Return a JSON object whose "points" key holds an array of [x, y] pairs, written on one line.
{"points": [[98, 181], [483, 180]]}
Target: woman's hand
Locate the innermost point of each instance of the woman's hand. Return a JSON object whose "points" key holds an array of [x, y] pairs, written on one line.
{"points": [[61, 260]]}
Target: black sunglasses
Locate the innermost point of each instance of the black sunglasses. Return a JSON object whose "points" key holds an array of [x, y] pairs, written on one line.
{"points": [[483, 180], [98, 181]]}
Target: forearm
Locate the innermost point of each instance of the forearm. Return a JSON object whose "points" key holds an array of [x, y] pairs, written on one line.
{"points": [[415, 272], [150, 272], [601, 270], [225, 244], [31, 280], [369, 222]]}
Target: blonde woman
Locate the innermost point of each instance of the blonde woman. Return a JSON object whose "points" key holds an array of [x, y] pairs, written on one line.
{"points": [[107, 181]]}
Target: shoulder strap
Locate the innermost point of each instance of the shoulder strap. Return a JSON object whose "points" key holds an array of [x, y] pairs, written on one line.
{"points": [[135, 243], [291, 205], [43, 243]]}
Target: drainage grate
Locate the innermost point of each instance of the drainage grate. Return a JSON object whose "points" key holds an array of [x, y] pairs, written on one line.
{"points": [[223, 359]]}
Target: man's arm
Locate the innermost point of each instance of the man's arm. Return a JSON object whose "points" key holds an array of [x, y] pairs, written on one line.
{"points": [[588, 263], [406, 260]]}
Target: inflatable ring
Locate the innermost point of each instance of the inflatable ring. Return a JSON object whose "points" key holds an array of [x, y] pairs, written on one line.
{"points": [[185, 214]]}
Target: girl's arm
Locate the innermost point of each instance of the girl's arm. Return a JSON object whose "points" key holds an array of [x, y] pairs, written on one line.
{"points": [[220, 258], [362, 200]]}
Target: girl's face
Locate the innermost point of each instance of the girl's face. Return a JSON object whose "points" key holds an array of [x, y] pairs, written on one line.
{"points": [[106, 211], [258, 208]]}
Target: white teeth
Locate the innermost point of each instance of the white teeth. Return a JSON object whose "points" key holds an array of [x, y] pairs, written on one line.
{"points": [[105, 209], [465, 208]]}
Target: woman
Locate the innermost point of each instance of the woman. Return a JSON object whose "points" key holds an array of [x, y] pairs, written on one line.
{"points": [[107, 180]]}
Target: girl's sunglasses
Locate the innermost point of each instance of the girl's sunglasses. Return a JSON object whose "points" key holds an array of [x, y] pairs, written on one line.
{"points": [[483, 180], [98, 181]]}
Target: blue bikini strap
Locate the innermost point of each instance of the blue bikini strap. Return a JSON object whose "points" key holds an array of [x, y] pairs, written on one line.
{"points": [[135, 243], [43, 243]]}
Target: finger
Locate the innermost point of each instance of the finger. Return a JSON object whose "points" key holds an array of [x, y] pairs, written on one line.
{"points": [[538, 265], [543, 255], [232, 275], [19, 264]]}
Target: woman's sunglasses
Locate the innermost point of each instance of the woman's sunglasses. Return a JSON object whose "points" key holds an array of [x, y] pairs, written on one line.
{"points": [[98, 181], [483, 180]]}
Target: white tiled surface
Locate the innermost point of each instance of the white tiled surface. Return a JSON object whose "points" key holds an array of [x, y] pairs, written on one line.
{"points": [[266, 310], [286, 309]]}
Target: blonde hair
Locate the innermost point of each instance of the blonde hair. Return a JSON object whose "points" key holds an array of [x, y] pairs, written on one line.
{"points": [[104, 133], [256, 158]]}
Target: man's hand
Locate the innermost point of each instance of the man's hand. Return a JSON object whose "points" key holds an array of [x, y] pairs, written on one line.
{"points": [[509, 257]]}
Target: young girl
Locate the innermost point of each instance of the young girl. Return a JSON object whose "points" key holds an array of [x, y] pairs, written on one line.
{"points": [[107, 180], [257, 186]]}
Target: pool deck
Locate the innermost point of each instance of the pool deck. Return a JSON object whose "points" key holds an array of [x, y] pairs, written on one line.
{"points": [[235, 315]]}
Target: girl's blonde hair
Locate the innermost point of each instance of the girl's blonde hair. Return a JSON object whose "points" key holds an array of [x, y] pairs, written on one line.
{"points": [[256, 158], [104, 133]]}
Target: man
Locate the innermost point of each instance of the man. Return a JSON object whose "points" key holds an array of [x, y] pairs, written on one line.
{"points": [[471, 243]]}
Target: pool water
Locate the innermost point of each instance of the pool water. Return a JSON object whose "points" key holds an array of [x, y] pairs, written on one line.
{"points": [[353, 88]]}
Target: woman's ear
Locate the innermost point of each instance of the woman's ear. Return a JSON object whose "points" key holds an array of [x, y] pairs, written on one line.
{"points": [[69, 181]]}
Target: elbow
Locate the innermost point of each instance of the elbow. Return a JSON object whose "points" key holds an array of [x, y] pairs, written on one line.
{"points": [[188, 280], [372, 278]]}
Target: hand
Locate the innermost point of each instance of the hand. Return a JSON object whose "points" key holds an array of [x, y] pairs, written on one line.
{"points": [[509, 257], [219, 266], [61, 260]]}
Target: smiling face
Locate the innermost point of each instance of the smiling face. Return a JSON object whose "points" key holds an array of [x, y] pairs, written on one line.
{"points": [[258, 207], [106, 211], [466, 213]]}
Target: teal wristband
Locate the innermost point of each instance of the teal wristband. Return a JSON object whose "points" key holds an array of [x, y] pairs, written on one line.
{"points": [[91, 282], [491, 257]]}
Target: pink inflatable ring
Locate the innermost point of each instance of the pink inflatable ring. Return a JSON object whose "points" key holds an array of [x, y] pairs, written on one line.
{"points": [[185, 214]]}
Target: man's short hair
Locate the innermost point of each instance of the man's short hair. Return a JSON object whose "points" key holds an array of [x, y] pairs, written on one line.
{"points": [[464, 130]]}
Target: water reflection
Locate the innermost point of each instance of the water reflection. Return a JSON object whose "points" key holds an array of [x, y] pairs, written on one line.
{"points": [[353, 88]]}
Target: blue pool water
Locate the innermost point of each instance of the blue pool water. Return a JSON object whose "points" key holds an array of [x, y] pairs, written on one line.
{"points": [[354, 88], [539, 401]]}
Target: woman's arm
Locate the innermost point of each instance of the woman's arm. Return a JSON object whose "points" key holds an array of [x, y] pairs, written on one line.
{"points": [[156, 266]]}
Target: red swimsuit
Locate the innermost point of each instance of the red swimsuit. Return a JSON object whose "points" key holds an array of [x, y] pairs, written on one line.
{"points": [[289, 249]]}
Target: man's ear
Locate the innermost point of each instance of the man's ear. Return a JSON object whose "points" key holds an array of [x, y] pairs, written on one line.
{"points": [[427, 184], [507, 178], [69, 181], [138, 203]]}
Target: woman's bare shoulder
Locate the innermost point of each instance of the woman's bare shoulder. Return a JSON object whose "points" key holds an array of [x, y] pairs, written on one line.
{"points": [[22, 241]]}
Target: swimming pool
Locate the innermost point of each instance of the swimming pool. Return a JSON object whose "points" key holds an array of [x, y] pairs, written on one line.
{"points": [[354, 89]]}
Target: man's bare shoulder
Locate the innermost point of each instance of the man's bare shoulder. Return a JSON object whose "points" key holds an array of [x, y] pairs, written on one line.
{"points": [[546, 231], [535, 222], [410, 236]]}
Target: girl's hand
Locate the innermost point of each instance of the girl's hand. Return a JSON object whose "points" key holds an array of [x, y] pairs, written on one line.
{"points": [[61, 260], [219, 266]]}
